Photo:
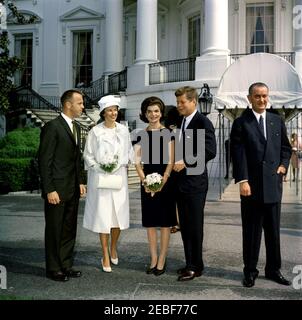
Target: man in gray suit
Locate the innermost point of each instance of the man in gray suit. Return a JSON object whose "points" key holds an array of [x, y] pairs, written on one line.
{"points": [[62, 185], [260, 153]]}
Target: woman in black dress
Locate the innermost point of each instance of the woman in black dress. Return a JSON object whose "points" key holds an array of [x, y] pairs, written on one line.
{"points": [[158, 209]]}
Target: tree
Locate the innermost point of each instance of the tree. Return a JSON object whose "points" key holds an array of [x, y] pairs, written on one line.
{"points": [[9, 64]]}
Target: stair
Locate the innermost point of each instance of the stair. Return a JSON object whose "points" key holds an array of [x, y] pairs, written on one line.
{"points": [[44, 116], [231, 192], [93, 114], [133, 178]]}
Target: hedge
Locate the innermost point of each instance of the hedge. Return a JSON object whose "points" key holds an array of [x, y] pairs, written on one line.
{"points": [[18, 169], [15, 174]]}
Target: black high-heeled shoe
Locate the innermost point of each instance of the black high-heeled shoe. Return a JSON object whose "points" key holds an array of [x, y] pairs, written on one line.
{"points": [[150, 270], [158, 272]]}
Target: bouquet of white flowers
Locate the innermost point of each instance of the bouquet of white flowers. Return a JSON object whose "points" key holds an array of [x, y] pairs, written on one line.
{"points": [[109, 162], [153, 182]]}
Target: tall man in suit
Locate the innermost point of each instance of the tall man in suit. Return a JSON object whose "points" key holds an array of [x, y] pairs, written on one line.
{"points": [[59, 165], [192, 186], [260, 152]]}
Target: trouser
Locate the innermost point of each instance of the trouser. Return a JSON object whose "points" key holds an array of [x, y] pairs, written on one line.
{"points": [[60, 233], [191, 220], [255, 216]]}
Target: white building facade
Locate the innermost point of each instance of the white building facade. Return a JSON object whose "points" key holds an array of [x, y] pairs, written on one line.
{"points": [[163, 44]]}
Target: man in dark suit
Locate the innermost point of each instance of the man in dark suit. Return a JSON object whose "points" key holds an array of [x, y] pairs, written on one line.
{"points": [[260, 153], [59, 166], [192, 185]]}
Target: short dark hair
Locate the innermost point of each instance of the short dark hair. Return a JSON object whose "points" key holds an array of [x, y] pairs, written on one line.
{"points": [[150, 101], [256, 84], [190, 92], [67, 95]]}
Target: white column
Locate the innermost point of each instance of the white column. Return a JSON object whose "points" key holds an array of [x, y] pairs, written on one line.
{"points": [[146, 32], [297, 29], [215, 58], [50, 62], [216, 27], [114, 36]]}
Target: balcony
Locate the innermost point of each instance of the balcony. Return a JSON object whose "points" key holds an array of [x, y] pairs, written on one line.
{"points": [[172, 71]]}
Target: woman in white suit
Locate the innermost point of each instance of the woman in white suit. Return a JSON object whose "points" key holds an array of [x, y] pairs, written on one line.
{"points": [[107, 203]]}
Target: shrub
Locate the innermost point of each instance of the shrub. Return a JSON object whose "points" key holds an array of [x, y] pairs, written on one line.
{"points": [[23, 138], [15, 174], [17, 152]]}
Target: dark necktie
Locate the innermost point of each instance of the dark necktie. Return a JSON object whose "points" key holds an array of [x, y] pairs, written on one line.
{"points": [[261, 125], [74, 131]]}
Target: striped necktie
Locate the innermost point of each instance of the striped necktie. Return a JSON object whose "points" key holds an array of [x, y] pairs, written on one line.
{"points": [[74, 131]]}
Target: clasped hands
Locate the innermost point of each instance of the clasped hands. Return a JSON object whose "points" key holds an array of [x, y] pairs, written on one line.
{"points": [[245, 188]]}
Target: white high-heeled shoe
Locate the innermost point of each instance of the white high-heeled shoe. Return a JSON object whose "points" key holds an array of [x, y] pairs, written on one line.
{"points": [[114, 261], [105, 269]]}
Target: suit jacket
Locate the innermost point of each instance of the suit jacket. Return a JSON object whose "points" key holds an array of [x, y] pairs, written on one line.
{"points": [[257, 159], [59, 159], [197, 183]]}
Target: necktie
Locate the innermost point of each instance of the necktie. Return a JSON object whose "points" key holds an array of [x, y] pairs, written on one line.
{"points": [[183, 126], [74, 131], [261, 125]]}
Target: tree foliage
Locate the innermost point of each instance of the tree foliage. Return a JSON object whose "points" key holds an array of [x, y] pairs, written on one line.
{"points": [[9, 64]]}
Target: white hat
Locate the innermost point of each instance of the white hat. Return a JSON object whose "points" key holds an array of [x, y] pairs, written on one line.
{"points": [[109, 101]]}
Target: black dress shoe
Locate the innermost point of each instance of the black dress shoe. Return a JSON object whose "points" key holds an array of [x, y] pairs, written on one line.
{"points": [[57, 276], [181, 270], [150, 270], [189, 275], [249, 280], [71, 273], [158, 272], [277, 277]]}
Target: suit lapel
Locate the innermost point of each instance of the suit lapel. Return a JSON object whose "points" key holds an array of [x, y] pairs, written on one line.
{"points": [[192, 124], [270, 124], [255, 126]]}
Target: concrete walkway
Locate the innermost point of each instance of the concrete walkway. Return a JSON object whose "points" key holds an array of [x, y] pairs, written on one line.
{"points": [[22, 254]]}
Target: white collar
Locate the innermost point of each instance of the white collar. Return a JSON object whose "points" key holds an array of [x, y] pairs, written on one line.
{"points": [[67, 119], [257, 115], [189, 118]]}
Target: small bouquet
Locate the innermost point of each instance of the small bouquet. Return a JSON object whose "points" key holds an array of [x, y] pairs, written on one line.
{"points": [[153, 182], [109, 163]]}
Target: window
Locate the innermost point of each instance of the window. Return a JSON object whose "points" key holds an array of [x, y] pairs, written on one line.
{"points": [[194, 36], [260, 27], [24, 51], [82, 58]]}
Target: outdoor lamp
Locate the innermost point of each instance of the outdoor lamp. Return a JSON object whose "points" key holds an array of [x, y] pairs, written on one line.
{"points": [[205, 100]]}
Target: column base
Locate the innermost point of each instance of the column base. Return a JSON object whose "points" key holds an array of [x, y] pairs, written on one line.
{"points": [[211, 66], [49, 89], [137, 78]]}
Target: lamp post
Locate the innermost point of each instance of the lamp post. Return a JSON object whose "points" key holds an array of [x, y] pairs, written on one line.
{"points": [[205, 100]]}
